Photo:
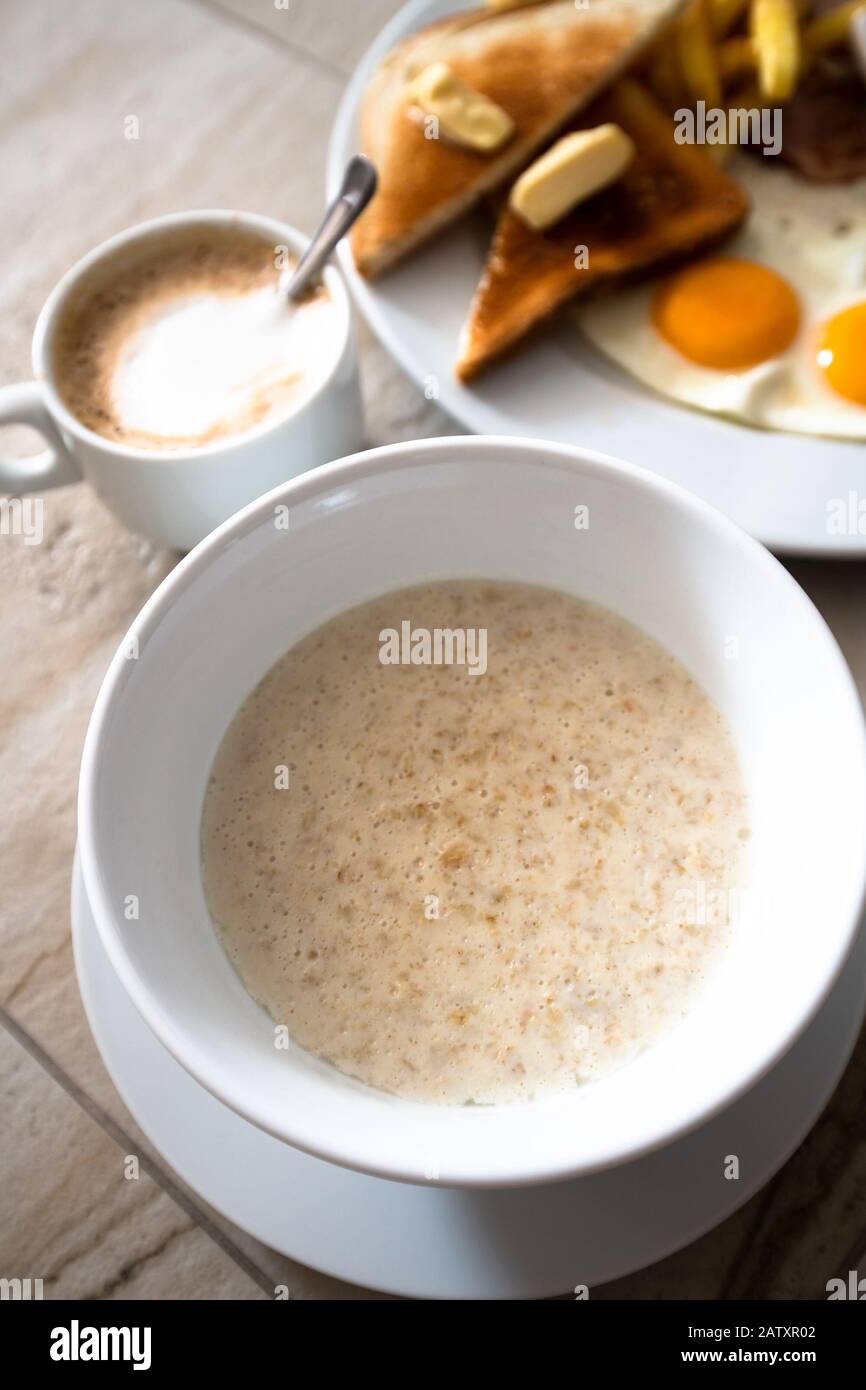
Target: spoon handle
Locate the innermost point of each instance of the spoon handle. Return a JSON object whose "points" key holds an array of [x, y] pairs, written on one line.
{"points": [[358, 187]]}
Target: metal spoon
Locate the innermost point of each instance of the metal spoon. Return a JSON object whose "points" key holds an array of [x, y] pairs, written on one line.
{"points": [[358, 187]]}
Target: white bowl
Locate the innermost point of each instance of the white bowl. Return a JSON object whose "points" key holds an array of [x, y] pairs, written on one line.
{"points": [[502, 509]]}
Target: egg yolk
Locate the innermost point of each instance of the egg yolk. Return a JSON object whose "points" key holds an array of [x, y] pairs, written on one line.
{"points": [[727, 313], [842, 354]]}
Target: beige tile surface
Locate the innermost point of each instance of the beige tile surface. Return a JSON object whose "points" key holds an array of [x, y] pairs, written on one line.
{"points": [[77, 1214], [334, 33], [234, 108], [48, 1018]]}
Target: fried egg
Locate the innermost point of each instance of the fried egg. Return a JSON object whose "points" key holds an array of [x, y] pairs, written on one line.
{"points": [[771, 328]]}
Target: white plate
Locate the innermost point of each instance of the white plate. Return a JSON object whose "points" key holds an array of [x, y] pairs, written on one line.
{"points": [[777, 486], [443, 1243]]}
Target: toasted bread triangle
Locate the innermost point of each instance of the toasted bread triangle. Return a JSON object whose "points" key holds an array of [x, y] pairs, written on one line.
{"points": [[672, 202], [541, 63]]}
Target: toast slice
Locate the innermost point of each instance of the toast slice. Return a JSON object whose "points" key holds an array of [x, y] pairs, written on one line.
{"points": [[541, 63], [671, 202]]}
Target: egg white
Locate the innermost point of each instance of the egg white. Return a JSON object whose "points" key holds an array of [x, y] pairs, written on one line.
{"points": [[814, 236]]}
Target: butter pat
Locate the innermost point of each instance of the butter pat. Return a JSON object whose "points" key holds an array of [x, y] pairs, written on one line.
{"points": [[573, 169], [464, 115]]}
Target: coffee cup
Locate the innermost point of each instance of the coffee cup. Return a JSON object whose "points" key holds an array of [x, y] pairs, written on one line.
{"points": [[176, 495]]}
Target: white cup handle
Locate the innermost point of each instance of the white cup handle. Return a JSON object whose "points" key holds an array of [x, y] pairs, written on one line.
{"points": [[24, 405]]}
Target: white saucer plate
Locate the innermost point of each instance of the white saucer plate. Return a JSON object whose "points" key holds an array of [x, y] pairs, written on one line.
{"points": [[431, 1242], [776, 486]]}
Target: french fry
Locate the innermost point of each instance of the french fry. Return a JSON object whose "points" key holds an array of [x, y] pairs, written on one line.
{"points": [[697, 57], [776, 32], [858, 41], [737, 57], [832, 29], [664, 77], [724, 15]]}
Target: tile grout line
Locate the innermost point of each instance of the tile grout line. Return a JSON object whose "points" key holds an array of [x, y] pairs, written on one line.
{"points": [[260, 31], [151, 1166]]}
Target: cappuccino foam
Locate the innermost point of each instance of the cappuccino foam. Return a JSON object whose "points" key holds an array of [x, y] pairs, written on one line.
{"points": [[191, 342]]}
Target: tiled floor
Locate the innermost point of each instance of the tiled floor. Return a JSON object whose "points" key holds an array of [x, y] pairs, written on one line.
{"points": [[234, 102]]}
